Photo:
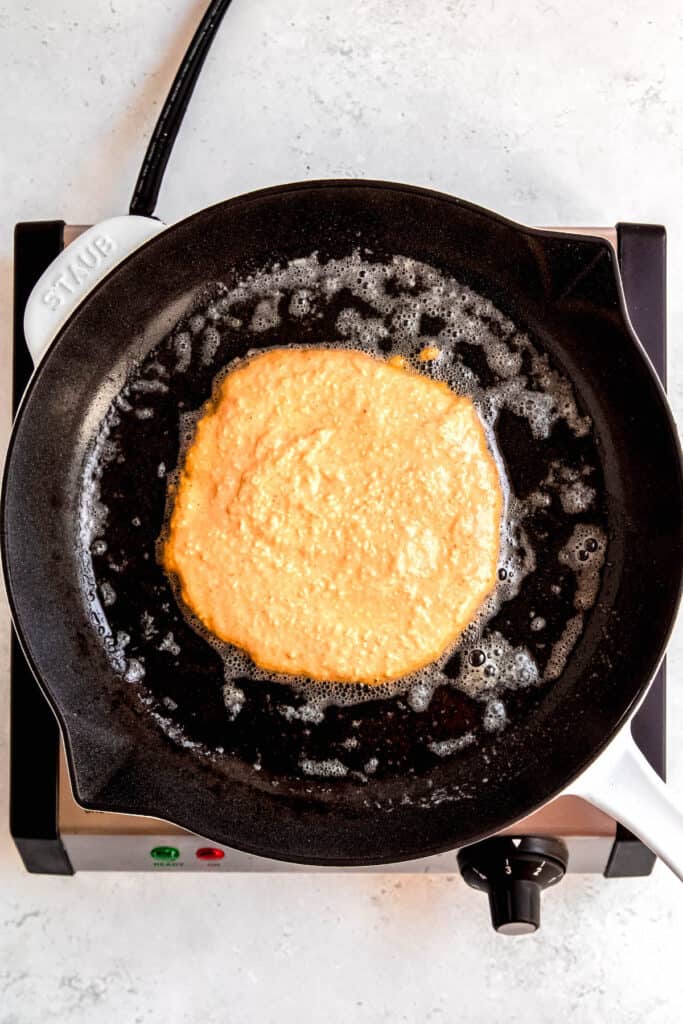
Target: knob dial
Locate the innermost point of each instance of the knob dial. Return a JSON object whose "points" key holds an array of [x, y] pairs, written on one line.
{"points": [[514, 872]]}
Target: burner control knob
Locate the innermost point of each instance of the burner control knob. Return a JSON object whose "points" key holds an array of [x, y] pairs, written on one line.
{"points": [[514, 871]]}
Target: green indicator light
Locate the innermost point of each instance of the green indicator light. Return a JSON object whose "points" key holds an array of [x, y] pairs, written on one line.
{"points": [[164, 853]]}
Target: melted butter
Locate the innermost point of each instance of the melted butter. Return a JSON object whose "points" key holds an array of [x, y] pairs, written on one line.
{"points": [[336, 516]]}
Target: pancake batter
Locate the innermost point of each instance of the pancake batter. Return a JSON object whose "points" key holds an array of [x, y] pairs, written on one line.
{"points": [[336, 517]]}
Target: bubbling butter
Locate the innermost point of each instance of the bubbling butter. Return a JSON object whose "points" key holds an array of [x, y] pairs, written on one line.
{"points": [[392, 309]]}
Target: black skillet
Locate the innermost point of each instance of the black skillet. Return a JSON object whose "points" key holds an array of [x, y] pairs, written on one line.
{"points": [[565, 292]]}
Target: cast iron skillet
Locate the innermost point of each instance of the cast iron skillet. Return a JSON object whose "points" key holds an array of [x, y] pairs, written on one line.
{"points": [[565, 292]]}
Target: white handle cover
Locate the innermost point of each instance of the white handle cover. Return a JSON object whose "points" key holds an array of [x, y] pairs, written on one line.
{"points": [[622, 783], [75, 272]]}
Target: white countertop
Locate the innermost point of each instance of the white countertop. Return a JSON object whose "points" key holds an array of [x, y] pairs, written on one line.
{"points": [[549, 113]]}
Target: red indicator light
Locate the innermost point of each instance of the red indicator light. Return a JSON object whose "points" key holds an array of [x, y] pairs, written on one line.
{"points": [[209, 853]]}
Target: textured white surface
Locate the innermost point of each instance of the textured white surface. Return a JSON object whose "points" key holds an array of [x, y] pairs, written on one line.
{"points": [[549, 113]]}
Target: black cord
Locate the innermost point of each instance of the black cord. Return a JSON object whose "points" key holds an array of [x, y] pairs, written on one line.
{"points": [[164, 135]]}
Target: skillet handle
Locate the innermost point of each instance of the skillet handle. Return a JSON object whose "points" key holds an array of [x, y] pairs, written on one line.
{"points": [[76, 271], [622, 783]]}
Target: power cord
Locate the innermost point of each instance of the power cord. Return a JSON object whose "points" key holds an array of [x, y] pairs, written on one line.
{"points": [[160, 146]]}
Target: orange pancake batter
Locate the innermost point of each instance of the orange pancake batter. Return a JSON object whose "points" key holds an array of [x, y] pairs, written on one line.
{"points": [[336, 517]]}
